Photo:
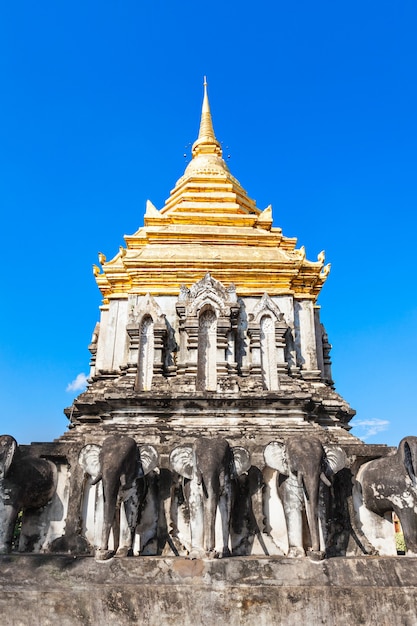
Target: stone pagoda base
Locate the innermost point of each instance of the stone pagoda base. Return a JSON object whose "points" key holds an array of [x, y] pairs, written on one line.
{"points": [[157, 591]]}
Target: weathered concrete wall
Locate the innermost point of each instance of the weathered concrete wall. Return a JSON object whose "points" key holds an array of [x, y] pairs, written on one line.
{"points": [[42, 590]]}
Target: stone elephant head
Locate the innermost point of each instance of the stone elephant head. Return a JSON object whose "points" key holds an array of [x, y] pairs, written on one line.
{"points": [[210, 465], [121, 465], [390, 484], [303, 462], [26, 482]]}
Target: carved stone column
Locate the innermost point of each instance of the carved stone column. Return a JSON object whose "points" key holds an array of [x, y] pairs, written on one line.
{"points": [[306, 339], [160, 337], [132, 361], [93, 349], [327, 362], [191, 329], [232, 339], [254, 334], [280, 331], [182, 355], [223, 329], [319, 340]]}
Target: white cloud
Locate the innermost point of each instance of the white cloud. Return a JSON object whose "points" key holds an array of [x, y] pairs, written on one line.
{"points": [[78, 384], [370, 427]]}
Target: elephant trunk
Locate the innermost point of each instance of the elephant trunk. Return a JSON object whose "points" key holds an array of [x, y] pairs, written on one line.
{"points": [[109, 511], [311, 492], [407, 518], [210, 510], [9, 515]]}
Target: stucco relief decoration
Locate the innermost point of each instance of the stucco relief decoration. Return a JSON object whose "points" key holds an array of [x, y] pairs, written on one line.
{"points": [[145, 305], [208, 291], [267, 305]]}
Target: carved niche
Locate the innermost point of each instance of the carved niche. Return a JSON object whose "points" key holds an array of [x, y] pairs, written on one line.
{"points": [[208, 314], [147, 330], [266, 330], [93, 349]]}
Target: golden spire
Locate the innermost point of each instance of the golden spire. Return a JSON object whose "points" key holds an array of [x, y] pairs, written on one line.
{"points": [[206, 142], [209, 223]]}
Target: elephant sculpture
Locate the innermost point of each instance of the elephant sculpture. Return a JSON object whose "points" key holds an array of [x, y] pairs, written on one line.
{"points": [[302, 464], [121, 465], [390, 484], [26, 482], [210, 465]]}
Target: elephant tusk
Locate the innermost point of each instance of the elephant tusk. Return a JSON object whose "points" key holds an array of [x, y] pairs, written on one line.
{"points": [[97, 479], [325, 480]]}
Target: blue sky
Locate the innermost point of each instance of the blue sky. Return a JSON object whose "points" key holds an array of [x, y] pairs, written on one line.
{"points": [[316, 105]]}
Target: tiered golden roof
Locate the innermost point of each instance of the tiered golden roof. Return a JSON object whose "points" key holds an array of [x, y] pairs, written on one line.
{"points": [[209, 224]]}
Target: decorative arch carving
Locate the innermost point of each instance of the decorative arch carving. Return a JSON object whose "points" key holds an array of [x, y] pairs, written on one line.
{"points": [[266, 330], [145, 305], [267, 306], [147, 331], [208, 313], [207, 349], [208, 290]]}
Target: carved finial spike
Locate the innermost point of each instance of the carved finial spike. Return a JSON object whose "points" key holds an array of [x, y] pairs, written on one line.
{"points": [[321, 256], [101, 258], [96, 270]]}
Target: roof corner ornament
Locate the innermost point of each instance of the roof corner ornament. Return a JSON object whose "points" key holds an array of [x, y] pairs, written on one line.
{"points": [[151, 210], [321, 257], [325, 271]]}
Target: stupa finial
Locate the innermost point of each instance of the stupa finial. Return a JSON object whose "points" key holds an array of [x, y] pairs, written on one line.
{"points": [[206, 142]]}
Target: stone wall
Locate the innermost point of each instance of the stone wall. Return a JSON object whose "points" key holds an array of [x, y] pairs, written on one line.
{"points": [[43, 590]]}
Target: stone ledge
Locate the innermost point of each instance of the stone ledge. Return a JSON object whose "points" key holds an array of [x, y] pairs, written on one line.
{"points": [[45, 589]]}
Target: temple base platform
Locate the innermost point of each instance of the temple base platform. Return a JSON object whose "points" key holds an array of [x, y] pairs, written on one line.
{"points": [[39, 590]]}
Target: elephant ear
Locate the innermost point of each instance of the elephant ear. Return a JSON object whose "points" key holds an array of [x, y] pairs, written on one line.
{"points": [[335, 459], [241, 459], [149, 458], [8, 447], [89, 459], [407, 449], [181, 460], [275, 457]]}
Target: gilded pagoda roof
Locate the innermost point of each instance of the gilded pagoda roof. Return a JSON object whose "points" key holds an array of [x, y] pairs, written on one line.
{"points": [[209, 224]]}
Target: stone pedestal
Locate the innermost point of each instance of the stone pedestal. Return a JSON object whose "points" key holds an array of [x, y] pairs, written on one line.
{"points": [[157, 591]]}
